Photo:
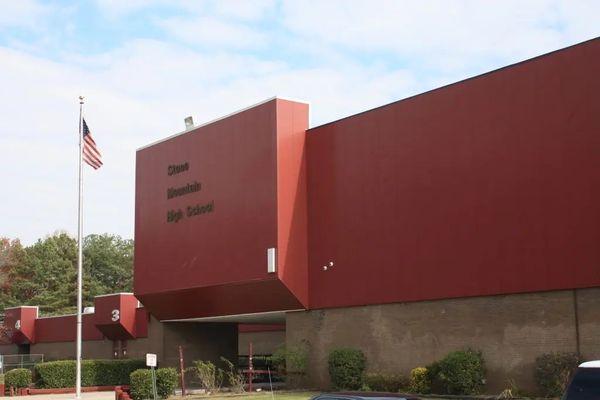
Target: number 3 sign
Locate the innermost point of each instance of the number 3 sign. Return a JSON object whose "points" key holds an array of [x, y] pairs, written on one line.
{"points": [[115, 315]]}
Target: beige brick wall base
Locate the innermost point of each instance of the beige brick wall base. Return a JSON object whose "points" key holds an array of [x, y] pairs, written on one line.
{"points": [[510, 330], [263, 343]]}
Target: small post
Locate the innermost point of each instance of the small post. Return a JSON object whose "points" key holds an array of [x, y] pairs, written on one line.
{"points": [[181, 363], [154, 383], [151, 362], [271, 383], [250, 367]]}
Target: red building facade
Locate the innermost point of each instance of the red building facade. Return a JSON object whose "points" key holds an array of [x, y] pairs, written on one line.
{"points": [[487, 186]]}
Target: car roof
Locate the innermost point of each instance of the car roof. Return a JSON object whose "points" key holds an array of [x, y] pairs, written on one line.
{"points": [[590, 364]]}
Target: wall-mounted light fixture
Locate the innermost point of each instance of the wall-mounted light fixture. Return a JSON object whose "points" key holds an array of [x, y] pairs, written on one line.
{"points": [[329, 265]]}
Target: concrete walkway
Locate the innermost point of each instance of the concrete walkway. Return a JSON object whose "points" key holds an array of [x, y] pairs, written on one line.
{"points": [[68, 396]]}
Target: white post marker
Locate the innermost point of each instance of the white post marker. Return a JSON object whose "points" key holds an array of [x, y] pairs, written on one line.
{"points": [[151, 362]]}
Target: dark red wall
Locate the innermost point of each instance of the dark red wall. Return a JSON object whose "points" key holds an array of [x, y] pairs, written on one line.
{"points": [[63, 329], [199, 265], [234, 160], [20, 323], [115, 315], [132, 322], [487, 186]]}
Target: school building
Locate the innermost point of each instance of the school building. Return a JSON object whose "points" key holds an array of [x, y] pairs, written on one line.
{"points": [[466, 216]]}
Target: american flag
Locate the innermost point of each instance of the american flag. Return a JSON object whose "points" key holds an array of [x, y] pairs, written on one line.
{"points": [[91, 154]]}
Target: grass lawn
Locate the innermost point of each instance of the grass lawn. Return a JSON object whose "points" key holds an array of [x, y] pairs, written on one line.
{"points": [[279, 395], [283, 395]]}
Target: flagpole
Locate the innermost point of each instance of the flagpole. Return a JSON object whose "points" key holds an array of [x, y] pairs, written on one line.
{"points": [[79, 255]]}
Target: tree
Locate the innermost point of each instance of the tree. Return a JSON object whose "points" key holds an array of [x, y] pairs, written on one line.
{"points": [[12, 254], [6, 334], [108, 264], [45, 274], [47, 278]]}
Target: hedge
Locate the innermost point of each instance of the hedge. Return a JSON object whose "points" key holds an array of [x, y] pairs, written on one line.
{"points": [[384, 382], [459, 373], [61, 374], [18, 378], [346, 368], [141, 383], [553, 372]]}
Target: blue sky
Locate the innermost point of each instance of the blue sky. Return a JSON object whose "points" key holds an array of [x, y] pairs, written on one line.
{"points": [[145, 65]]}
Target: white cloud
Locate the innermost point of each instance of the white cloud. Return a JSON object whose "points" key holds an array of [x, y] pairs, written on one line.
{"points": [[244, 9], [119, 8], [238, 9], [213, 32], [22, 13], [443, 33]]}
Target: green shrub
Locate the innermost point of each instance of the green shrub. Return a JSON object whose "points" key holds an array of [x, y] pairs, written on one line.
{"points": [[292, 359], [210, 376], [553, 371], [419, 382], [61, 374], [18, 378], [346, 368], [166, 381], [384, 382], [235, 378], [431, 373], [277, 359], [114, 372], [1, 381], [141, 383], [297, 359], [459, 373]]}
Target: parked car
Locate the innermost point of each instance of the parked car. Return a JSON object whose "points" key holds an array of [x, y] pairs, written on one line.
{"points": [[364, 396], [585, 384]]}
